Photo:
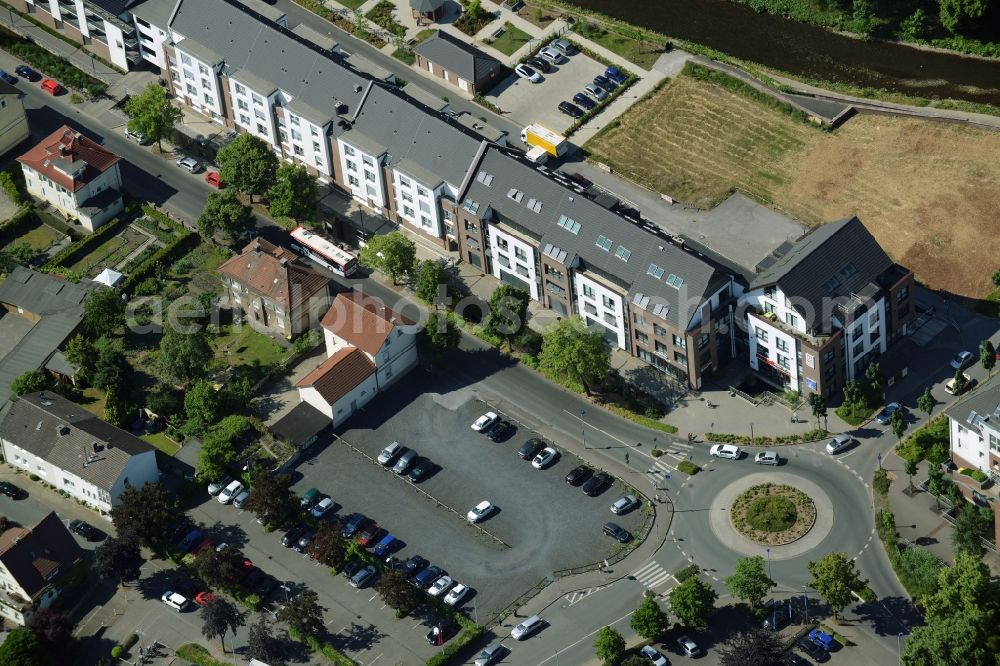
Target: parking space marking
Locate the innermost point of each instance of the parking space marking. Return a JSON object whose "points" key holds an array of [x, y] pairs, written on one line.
{"points": [[375, 659], [580, 595], [652, 575]]}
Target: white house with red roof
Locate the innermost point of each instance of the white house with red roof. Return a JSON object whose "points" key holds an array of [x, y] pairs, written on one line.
{"points": [[76, 175]]}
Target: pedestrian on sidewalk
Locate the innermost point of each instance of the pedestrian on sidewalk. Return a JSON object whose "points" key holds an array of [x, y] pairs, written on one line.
{"points": [[626, 457]]}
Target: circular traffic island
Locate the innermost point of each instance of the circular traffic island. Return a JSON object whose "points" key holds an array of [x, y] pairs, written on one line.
{"points": [[773, 514]]}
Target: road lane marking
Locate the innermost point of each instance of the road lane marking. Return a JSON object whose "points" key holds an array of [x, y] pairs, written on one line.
{"points": [[575, 643], [375, 659]]}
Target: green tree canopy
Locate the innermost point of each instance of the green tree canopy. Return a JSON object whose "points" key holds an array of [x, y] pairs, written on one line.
{"points": [[572, 350], [397, 592], [649, 620], [926, 401], [609, 644], [756, 647], [430, 278], [201, 405], [271, 500], [263, 645], [854, 395], [750, 581], [920, 569], [958, 639], [110, 368], [218, 616], [972, 525], [152, 114], [103, 313], [80, 352], [184, 356], [118, 558], [987, 355], [225, 212], [394, 254], [23, 648], [293, 194], [441, 334], [876, 382], [692, 602], [248, 164], [29, 381], [956, 15], [835, 577], [508, 312], [303, 613], [818, 405], [148, 513], [897, 423]]}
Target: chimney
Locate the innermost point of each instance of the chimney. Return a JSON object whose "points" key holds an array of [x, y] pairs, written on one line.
{"points": [[283, 261], [256, 245]]}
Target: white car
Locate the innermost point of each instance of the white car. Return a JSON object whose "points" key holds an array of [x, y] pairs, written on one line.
{"points": [[230, 491], [544, 458], [321, 507], [962, 359], [440, 586], [726, 451], [551, 55], [527, 73], [479, 511], [389, 453], [767, 458], [563, 46], [654, 657], [176, 601], [595, 91], [838, 444], [624, 504], [689, 647], [189, 163], [949, 388], [455, 596], [484, 421]]}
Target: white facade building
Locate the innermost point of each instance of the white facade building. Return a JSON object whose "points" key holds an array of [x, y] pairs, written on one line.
{"points": [[601, 307], [513, 261]]}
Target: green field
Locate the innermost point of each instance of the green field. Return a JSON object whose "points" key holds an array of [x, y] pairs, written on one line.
{"points": [[643, 54], [511, 40], [162, 442], [241, 345], [39, 237], [109, 253]]}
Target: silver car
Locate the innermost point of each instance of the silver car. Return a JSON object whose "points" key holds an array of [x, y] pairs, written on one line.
{"points": [[839, 443], [189, 163], [490, 655], [767, 458], [624, 504], [563, 46]]}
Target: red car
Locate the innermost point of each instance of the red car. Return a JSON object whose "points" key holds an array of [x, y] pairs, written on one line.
{"points": [[370, 536], [51, 87], [213, 179], [203, 598], [207, 544]]}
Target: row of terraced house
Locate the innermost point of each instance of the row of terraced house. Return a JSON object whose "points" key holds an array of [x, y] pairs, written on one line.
{"points": [[810, 316]]}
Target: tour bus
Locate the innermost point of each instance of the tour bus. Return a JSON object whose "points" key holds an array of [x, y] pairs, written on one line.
{"points": [[324, 252]]}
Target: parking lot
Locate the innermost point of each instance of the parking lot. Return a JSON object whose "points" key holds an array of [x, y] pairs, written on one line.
{"points": [[528, 102], [542, 524]]}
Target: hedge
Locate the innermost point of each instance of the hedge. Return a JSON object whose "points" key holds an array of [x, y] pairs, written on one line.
{"points": [[50, 64], [196, 654], [450, 651], [78, 249], [16, 225], [10, 188]]}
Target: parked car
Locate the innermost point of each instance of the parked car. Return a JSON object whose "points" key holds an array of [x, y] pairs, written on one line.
{"points": [[552, 55], [309, 497], [387, 545], [203, 598], [138, 137], [949, 388], [364, 577], [544, 458], [776, 618], [370, 535], [10, 490], [420, 470], [616, 75], [527, 73], [962, 359], [530, 449], [767, 458], [175, 600], [426, 578], [616, 531], [413, 566], [52, 87], [688, 646], [441, 632], [354, 523], [526, 628], [500, 430], [189, 540], [579, 179], [571, 109], [595, 91], [291, 536], [8, 78], [266, 586], [216, 487], [480, 511], [726, 451], [654, 657], [440, 586], [230, 492], [390, 452], [26, 72], [624, 504], [563, 46], [304, 541], [822, 639], [404, 461], [812, 650], [491, 654], [838, 444], [539, 64], [214, 179], [886, 414], [86, 530], [578, 475], [584, 101], [189, 163], [605, 82], [597, 483], [456, 594], [321, 507], [484, 421]]}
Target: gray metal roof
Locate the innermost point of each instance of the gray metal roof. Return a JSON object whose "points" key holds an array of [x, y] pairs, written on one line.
{"points": [[68, 436], [561, 209], [426, 5], [457, 56], [984, 401], [154, 12]]}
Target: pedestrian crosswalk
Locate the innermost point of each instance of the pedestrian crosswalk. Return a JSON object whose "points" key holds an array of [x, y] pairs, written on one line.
{"points": [[658, 473], [652, 575]]}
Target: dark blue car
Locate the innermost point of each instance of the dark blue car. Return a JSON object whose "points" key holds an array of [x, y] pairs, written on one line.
{"points": [[4, 76], [425, 578], [384, 547], [190, 540], [615, 75], [584, 101], [26, 72]]}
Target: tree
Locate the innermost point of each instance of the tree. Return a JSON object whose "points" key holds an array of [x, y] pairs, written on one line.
{"points": [[110, 368], [897, 424], [220, 568], [394, 254], [263, 645], [271, 499], [118, 558], [951, 640], [756, 647], [873, 374], [960, 382], [441, 334], [303, 613], [103, 313], [248, 164], [609, 644], [750, 581], [201, 405], [863, 19], [692, 602], [854, 395], [572, 350], [328, 546], [508, 312], [920, 569], [184, 356], [914, 26], [972, 525], [430, 278], [152, 114], [964, 587], [987, 355], [23, 648], [216, 455], [29, 381], [147, 513], [396, 591], [835, 577], [926, 402], [219, 616], [818, 405], [955, 15], [225, 212], [910, 469], [53, 629], [649, 620], [80, 352], [293, 194], [164, 401]]}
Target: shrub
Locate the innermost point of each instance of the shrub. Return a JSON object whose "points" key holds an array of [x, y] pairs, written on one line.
{"points": [[252, 601], [656, 453], [881, 482], [33, 477], [459, 643], [186, 242], [687, 572], [78, 249], [50, 64], [116, 651], [10, 188], [688, 467], [17, 224]]}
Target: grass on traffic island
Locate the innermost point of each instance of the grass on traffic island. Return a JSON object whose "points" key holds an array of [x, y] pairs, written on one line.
{"points": [[767, 440], [198, 654], [773, 514]]}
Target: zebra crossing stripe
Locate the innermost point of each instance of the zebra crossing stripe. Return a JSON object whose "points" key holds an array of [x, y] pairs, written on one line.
{"points": [[652, 575]]}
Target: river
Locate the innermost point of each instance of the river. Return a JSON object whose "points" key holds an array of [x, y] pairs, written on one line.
{"points": [[809, 51]]}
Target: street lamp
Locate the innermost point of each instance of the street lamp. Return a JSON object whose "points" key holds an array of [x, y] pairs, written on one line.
{"points": [[768, 562], [805, 599], [899, 646], [751, 433], [287, 590]]}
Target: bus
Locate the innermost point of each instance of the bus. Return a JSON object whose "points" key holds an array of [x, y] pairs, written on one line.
{"points": [[324, 252]]}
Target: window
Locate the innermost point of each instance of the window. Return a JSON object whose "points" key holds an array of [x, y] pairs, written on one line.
{"points": [[424, 207], [405, 182], [681, 358], [783, 361], [659, 331], [655, 271], [873, 337], [604, 243], [661, 348], [348, 150], [298, 150], [623, 253], [791, 320], [257, 99], [702, 340], [549, 270], [674, 281], [609, 302], [873, 318], [205, 84], [209, 100], [770, 291], [590, 309], [315, 147], [242, 105], [292, 119], [296, 135], [679, 341], [407, 211], [191, 90], [638, 319], [186, 59], [313, 131], [406, 196], [520, 254], [259, 115], [425, 221], [469, 226], [828, 357], [369, 176], [203, 69], [610, 319], [502, 244], [902, 293], [353, 182], [370, 190], [588, 291], [351, 166], [641, 337], [263, 130], [768, 307], [569, 224], [761, 334], [421, 192], [810, 361], [781, 345], [369, 161], [858, 348]]}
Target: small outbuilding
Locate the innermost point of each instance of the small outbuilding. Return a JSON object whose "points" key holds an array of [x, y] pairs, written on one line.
{"points": [[459, 63], [427, 11], [109, 277]]}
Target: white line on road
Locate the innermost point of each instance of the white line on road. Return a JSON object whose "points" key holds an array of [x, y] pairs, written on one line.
{"points": [[372, 597], [574, 644], [375, 659], [593, 427]]}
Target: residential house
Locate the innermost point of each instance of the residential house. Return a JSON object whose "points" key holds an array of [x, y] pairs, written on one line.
{"points": [[279, 293], [76, 175], [821, 309], [13, 120], [46, 435], [369, 347], [32, 559], [459, 63]]}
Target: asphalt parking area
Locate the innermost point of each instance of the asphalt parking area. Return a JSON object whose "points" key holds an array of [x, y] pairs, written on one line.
{"points": [[542, 523], [528, 102]]}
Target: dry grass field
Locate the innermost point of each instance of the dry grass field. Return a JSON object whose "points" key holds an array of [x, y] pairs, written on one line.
{"points": [[928, 191]]}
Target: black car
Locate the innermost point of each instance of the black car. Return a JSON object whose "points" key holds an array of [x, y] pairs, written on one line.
{"points": [[7, 77], [266, 586], [254, 578], [293, 535], [26, 72], [413, 566], [538, 63], [584, 101], [530, 448], [616, 531], [420, 471], [578, 475], [441, 631], [597, 484], [10, 490], [816, 652], [500, 430], [352, 525], [571, 109], [86, 530], [776, 618], [605, 82], [364, 577], [352, 567], [304, 541], [579, 180], [426, 578]]}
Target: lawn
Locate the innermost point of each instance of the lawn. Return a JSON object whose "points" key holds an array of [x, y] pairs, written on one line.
{"points": [[241, 345], [93, 401], [909, 180], [511, 40], [38, 237], [109, 253], [162, 442], [643, 54]]}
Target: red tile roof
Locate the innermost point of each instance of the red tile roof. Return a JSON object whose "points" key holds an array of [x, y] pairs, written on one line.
{"points": [[32, 555], [69, 158], [362, 321], [275, 273], [338, 375]]}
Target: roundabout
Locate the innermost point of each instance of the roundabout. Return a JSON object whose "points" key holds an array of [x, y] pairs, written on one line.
{"points": [[772, 514]]}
